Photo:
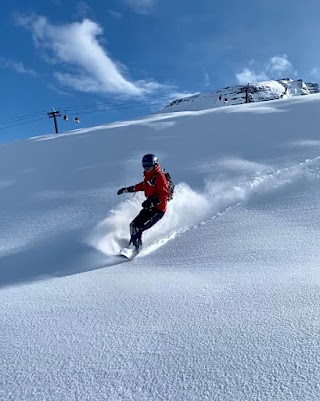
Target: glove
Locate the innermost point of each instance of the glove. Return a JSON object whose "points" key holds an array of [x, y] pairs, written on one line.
{"points": [[147, 204], [121, 191], [124, 190], [150, 202]]}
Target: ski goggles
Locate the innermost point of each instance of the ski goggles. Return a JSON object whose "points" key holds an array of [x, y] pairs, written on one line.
{"points": [[147, 166]]}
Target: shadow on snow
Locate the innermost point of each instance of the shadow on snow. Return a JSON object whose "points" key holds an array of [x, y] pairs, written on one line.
{"points": [[52, 258]]}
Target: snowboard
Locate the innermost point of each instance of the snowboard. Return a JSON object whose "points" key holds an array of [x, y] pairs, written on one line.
{"points": [[128, 253]]}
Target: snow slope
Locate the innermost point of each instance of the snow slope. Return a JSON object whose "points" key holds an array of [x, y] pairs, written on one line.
{"points": [[222, 304]]}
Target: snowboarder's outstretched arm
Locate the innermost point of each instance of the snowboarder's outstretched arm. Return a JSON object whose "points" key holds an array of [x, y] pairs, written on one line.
{"points": [[125, 190], [133, 188], [139, 187]]}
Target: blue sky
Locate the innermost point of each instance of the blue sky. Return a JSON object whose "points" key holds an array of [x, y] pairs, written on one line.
{"points": [[106, 60]]}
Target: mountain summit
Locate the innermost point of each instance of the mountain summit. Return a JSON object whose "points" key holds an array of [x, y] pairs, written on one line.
{"points": [[256, 92]]}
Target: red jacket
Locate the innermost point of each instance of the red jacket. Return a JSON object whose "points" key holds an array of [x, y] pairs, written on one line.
{"points": [[160, 187]]}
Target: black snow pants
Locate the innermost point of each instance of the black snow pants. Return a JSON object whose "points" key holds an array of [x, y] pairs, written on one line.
{"points": [[145, 220]]}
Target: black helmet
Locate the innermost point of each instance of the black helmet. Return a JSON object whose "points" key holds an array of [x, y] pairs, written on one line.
{"points": [[149, 160]]}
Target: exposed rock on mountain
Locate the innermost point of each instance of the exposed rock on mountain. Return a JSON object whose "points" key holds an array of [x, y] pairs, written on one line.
{"points": [[256, 92]]}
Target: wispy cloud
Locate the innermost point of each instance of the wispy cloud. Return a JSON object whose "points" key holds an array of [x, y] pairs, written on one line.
{"points": [[82, 9], [16, 66], [57, 90], [115, 14], [141, 6], [315, 72], [280, 65], [275, 68], [69, 46], [206, 77], [250, 76]]}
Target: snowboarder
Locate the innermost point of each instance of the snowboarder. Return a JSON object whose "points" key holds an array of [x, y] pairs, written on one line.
{"points": [[155, 187]]}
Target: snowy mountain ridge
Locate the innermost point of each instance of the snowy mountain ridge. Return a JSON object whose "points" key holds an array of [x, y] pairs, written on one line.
{"points": [[255, 92]]}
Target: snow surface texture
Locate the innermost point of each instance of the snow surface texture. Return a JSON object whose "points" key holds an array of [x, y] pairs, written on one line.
{"points": [[223, 301]]}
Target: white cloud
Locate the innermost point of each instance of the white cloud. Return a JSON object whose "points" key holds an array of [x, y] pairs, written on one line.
{"points": [[89, 68], [115, 14], [82, 9], [247, 76], [275, 68], [315, 72], [279, 65], [55, 89], [141, 6], [206, 79], [16, 66]]}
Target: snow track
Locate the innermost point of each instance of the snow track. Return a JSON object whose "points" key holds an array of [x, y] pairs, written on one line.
{"points": [[191, 209]]}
